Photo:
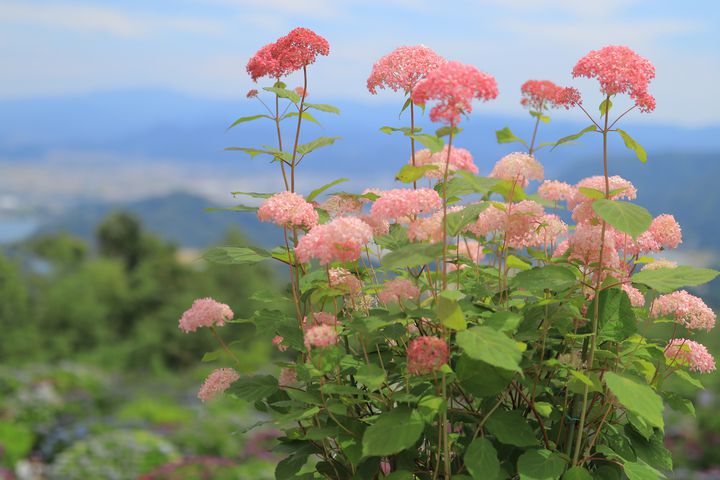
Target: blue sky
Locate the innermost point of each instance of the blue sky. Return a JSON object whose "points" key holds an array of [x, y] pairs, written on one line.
{"points": [[200, 47]]}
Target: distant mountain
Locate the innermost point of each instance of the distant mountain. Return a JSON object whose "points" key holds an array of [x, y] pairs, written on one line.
{"points": [[179, 217]]}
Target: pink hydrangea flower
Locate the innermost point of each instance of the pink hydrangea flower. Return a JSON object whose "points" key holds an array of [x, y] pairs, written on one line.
{"points": [[544, 94], [470, 249], [645, 243], [287, 377], [637, 299], [341, 205], [405, 202], [341, 240], [320, 336], [252, 93], [581, 204], [518, 167], [691, 354], [325, 318], [205, 312], [460, 159], [380, 226], [429, 229], [277, 341], [402, 68], [454, 85], [264, 64], [397, 290], [216, 383], [288, 209], [666, 231], [342, 279], [288, 54], [521, 223], [584, 245], [686, 309], [660, 263], [426, 354], [551, 227], [619, 70], [554, 191]]}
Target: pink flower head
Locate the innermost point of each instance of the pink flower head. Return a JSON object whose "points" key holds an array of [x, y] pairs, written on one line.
{"points": [[550, 228], [429, 229], [325, 318], [405, 202], [341, 240], [666, 231], [426, 354], [460, 159], [584, 245], [380, 226], [554, 191], [320, 336], [340, 205], [287, 378], [540, 94], [288, 209], [454, 85], [645, 243], [288, 54], [252, 93], [619, 70], [688, 353], [637, 299], [660, 263], [216, 383], [264, 64], [398, 289], [518, 167], [301, 91], [402, 68], [205, 312], [277, 341], [686, 309], [520, 223], [342, 279]]}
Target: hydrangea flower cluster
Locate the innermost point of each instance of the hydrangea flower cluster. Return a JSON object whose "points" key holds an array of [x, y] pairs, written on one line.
{"points": [[216, 383], [290, 53], [426, 354], [288, 209], [686, 309], [518, 168], [205, 312], [542, 94], [403, 68], [339, 240], [320, 336], [403, 203], [342, 279], [397, 290], [695, 356], [555, 191], [460, 159]]}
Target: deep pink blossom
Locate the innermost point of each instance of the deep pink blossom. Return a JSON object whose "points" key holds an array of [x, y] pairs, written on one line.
{"points": [[454, 86], [554, 191], [695, 356], [205, 312], [320, 336], [341, 240], [544, 94], [460, 159], [288, 54], [397, 290], [288, 209], [402, 68], [686, 309], [277, 341], [264, 64], [519, 168], [216, 383], [405, 202], [426, 354], [619, 70], [252, 93]]}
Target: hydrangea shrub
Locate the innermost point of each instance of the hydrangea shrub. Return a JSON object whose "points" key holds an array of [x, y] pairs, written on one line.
{"points": [[466, 329]]}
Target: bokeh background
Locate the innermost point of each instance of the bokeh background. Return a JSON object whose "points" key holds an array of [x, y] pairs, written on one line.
{"points": [[113, 124]]}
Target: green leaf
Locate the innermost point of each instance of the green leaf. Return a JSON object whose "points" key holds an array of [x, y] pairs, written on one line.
{"points": [[481, 379], [605, 107], [549, 277], [16, 440], [481, 459], [511, 428], [248, 119], [400, 475], [637, 398], [577, 473], [392, 432], [666, 280], [593, 193], [490, 346], [254, 388], [431, 142], [624, 216], [430, 406], [305, 116], [323, 107], [450, 314], [236, 208], [306, 148], [514, 262], [540, 465], [236, 255], [570, 138], [284, 93], [509, 190], [467, 184], [507, 136], [633, 145], [371, 376], [411, 173], [616, 318], [253, 194], [504, 321], [412, 255], [456, 221], [447, 130], [313, 195], [641, 471]]}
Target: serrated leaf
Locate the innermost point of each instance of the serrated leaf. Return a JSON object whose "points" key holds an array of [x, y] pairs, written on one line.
{"points": [[306, 148], [605, 107], [314, 194], [481, 459], [323, 107], [236, 255], [412, 255], [467, 184], [641, 471], [457, 221], [666, 280], [450, 314], [624, 216], [284, 93], [540, 465], [506, 135], [431, 142], [511, 428], [633, 145], [305, 116], [575, 136], [549, 277], [253, 194], [392, 432], [411, 173], [577, 473], [248, 119], [254, 388], [637, 398], [371, 376], [593, 193], [490, 346]]}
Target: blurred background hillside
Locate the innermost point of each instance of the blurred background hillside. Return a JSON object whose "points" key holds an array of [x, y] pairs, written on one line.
{"points": [[113, 121]]}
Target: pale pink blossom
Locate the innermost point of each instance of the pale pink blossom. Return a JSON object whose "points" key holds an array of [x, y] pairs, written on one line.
{"points": [[544, 94], [300, 91], [684, 308], [619, 70], [405, 202], [426, 354], [581, 204], [342, 279], [288, 209], [584, 246], [460, 159], [468, 249], [277, 341], [554, 191], [341, 205], [325, 318], [660, 263], [518, 168], [429, 229], [684, 352], [216, 383], [320, 336], [644, 243], [341, 240], [666, 231], [287, 377], [397, 290], [402, 68], [550, 228], [454, 85], [637, 299], [523, 224], [380, 226], [205, 312]]}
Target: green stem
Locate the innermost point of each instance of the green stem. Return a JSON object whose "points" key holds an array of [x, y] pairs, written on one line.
{"points": [[297, 131]]}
